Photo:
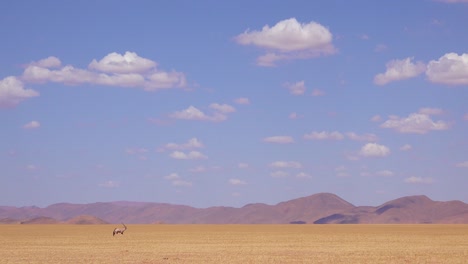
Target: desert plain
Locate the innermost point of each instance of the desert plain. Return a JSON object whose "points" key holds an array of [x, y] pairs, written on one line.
{"points": [[162, 243]]}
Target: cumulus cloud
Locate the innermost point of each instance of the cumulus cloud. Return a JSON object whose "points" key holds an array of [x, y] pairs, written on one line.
{"points": [[279, 139], [190, 144], [237, 182], [293, 115], [130, 62], [406, 147], [419, 180], [374, 150], [318, 92], [289, 39], [176, 180], [222, 108], [450, 69], [128, 70], [286, 164], [198, 169], [297, 88], [416, 123], [192, 113], [335, 135], [399, 70], [49, 62], [192, 155], [12, 92], [303, 175], [32, 125], [376, 118]]}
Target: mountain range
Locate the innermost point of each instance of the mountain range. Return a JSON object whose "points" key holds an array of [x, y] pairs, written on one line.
{"points": [[321, 208]]}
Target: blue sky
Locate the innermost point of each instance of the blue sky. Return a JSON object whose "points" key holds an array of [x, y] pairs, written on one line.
{"points": [[209, 103]]}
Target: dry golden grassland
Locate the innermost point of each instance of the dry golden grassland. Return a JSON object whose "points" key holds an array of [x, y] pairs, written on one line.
{"points": [[234, 244]]}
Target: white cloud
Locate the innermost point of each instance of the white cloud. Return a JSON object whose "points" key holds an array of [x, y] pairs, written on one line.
{"points": [[417, 123], [130, 62], [237, 182], [176, 180], [297, 88], [385, 173], [450, 69], [193, 113], [198, 169], [181, 183], [376, 118], [223, 108], [294, 115], [364, 137], [12, 92], [190, 144], [374, 150], [279, 174], [335, 135], [289, 39], [110, 184], [406, 147], [172, 176], [286, 164], [128, 70], [192, 155], [462, 164], [303, 175], [279, 139], [49, 62], [318, 92], [32, 125], [399, 70], [242, 101], [417, 180]]}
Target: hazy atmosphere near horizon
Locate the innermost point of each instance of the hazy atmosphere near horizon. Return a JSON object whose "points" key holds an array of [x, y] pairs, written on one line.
{"points": [[208, 103]]}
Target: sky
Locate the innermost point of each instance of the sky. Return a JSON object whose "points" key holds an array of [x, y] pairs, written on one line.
{"points": [[217, 103]]}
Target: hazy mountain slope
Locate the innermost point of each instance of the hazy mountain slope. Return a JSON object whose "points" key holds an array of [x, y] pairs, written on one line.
{"points": [[321, 208]]}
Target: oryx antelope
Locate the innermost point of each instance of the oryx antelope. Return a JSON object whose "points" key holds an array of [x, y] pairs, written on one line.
{"points": [[119, 230]]}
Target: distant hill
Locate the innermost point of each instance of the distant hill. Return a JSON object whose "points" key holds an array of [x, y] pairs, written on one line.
{"points": [[86, 220], [42, 220], [321, 208]]}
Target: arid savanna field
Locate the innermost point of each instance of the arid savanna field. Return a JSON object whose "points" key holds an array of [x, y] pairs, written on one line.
{"points": [[234, 244]]}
